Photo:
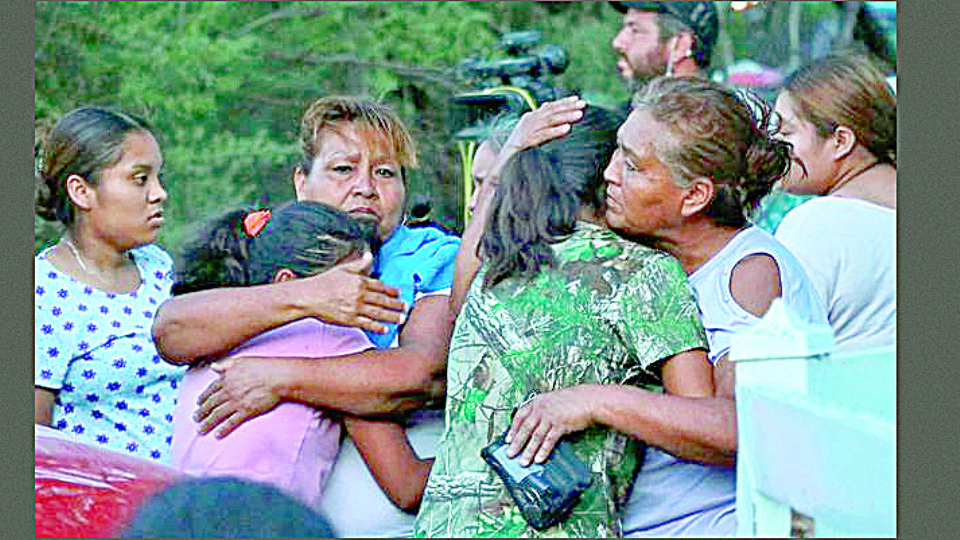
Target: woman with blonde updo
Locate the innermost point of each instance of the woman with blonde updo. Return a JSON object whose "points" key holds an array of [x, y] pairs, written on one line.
{"points": [[98, 376]]}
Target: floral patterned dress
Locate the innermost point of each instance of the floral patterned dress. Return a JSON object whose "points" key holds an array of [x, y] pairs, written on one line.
{"points": [[95, 351]]}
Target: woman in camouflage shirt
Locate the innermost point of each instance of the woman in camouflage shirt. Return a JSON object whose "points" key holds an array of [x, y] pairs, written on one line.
{"points": [[559, 301]]}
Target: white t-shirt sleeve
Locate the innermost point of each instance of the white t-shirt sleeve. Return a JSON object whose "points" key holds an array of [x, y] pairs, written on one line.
{"points": [[805, 232]]}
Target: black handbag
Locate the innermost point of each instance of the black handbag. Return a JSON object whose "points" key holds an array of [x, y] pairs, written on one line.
{"points": [[544, 492]]}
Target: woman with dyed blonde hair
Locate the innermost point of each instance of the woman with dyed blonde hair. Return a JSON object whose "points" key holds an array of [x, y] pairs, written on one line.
{"points": [[356, 158]]}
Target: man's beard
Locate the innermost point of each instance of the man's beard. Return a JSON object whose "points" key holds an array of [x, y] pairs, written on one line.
{"points": [[641, 79], [655, 66]]}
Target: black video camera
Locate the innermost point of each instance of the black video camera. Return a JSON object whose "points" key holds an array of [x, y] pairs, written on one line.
{"points": [[519, 81], [526, 65]]}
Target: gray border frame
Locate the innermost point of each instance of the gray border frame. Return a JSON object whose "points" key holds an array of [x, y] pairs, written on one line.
{"points": [[927, 260], [16, 222]]}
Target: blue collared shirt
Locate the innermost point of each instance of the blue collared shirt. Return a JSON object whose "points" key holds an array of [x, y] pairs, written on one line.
{"points": [[420, 262]]}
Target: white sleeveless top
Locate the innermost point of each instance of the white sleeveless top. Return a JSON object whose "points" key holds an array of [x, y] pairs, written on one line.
{"points": [[673, 497]]}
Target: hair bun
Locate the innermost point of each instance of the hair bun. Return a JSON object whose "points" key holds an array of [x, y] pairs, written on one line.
{"points": [[46, 200]]}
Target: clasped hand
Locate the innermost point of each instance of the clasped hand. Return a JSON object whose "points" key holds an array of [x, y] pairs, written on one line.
{"points": [[345, 295], [540, 423], [247, 388]]}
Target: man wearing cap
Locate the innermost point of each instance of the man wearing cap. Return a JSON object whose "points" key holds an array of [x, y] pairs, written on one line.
{"points": [[673, 496], [664, 38]]}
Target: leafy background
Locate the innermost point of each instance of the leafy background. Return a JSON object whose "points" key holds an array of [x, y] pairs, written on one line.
{"points": [[225, 82]]}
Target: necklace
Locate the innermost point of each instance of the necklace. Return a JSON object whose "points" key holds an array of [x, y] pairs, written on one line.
{"points": [[76, 254], [847, 180], [105, 283]]}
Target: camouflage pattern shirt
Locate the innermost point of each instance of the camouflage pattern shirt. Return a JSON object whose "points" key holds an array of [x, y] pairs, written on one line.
{"points": [[606, 313]]}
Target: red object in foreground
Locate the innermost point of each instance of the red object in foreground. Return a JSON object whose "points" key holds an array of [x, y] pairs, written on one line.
{"points": [[82, 491]]}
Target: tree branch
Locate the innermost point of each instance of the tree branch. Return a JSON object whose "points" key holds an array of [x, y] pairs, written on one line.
{"points": [[271, 100], [442, 77], [288, 12]]}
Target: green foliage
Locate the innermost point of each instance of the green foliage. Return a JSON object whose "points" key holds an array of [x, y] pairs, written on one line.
{"points": [[225, 82]]}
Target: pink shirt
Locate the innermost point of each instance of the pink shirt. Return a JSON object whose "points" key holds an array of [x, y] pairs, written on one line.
{"points": [[293, 446]]}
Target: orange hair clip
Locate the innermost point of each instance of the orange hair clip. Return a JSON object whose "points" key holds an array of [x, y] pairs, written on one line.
{"points": [[255, 221]]}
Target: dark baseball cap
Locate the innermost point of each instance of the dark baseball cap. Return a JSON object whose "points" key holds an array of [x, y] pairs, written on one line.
{"points": [[701, 17]]}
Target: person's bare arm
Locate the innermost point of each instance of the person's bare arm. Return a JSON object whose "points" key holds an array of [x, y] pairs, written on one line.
{"points": [[379, 380], [685, 421], [467, 262], [550, 121], [755, 282], [209, 324], [696, 429], [374, 382], [43, 405], [384, 446], [697, 425], [723, 378]]}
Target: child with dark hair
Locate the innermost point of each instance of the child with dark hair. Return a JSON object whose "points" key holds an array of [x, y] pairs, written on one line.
{"points": [[224, 508], [294, 446], [559, 303], [243, 247]]}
